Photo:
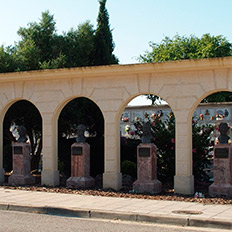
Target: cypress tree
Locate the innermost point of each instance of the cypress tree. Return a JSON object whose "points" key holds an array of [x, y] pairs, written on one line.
{"points": [[104, 45]]}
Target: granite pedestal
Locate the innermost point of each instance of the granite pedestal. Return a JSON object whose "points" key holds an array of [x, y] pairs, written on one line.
{"points": [[147, 170], [222, 171], [21, 165], [80, 167]]}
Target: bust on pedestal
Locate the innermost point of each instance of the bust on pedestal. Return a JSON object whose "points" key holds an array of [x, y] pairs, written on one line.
{"points": [[147, 164], [80, 162], [21, 160], [222, 170]]}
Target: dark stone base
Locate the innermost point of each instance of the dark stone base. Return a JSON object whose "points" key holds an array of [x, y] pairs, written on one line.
{"points": [[21, 179], [155, 186], [220, 190], [80, 182]]}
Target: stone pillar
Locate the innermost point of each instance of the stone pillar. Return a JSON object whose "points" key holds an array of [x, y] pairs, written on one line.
{"points": [[50, 173], [183, 179], [147, 170], [80, 166], [112, 177], [222, 171], [2, 171], [21, 165], [2, 175]]}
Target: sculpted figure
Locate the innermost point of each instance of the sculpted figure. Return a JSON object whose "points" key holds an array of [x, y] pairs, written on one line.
{"points": [[22, 134], [147, 136], [80, 133], [223, 129]]}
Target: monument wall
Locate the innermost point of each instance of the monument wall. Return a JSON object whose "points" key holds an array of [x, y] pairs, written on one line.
{"points": [[182, 84]]}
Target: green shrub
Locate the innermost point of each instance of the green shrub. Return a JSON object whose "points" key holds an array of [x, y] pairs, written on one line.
{"points": [[7, 157], [163, 132], [129, 168]]}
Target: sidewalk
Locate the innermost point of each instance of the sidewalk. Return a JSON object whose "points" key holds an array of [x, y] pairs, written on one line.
{"points": [[168, 212]]}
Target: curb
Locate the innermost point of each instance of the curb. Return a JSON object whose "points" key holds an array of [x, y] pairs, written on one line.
{"points": [[213, 223], [159, 219]]}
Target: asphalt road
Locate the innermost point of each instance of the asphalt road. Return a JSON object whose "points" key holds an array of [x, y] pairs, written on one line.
{"points": [[11, 221]]}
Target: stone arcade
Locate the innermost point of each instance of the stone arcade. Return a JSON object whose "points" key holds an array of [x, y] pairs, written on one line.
{"points": [[183, 84]]}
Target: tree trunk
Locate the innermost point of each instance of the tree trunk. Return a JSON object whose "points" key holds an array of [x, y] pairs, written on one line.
{"points": [[36, 157]]}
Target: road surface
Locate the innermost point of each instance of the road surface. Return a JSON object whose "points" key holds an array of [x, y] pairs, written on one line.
{"points": [[11, 221]]}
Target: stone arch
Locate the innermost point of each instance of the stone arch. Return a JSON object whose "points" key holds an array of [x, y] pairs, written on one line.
{"points": [[196, 104], [6, 107], [125, 103], [58, 110], [55, 122], [122, 108], [206, 94]]}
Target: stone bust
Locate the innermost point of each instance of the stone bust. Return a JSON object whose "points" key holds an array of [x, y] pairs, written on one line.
{"points": [[147, 136], [223, 129], [80, 133], [22, 134]]}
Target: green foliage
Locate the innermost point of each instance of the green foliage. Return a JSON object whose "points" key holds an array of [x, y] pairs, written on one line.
{"points": [[36, 49], [41, 34], [61, 166], [7, 157], [164, 138], [58, 62], [81, 111], [40, 47], [129, 149], [163, 132], [27, 55], [201, 150], [78, 46], [103, 41], [222, 96], [25, 113], [7, 62], [154, 99], [129, 168], [181, 47]]}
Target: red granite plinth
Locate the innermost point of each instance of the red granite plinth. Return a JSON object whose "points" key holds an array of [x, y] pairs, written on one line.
{"points": [[80, 167], [21, 165], [147, 170], [222, 171]]}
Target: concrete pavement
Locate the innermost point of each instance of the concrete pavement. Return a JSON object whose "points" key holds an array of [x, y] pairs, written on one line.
{"points": [[143, 210]]}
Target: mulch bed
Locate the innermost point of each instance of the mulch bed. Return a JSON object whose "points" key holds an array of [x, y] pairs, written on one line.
{"points": [[126, 192]]}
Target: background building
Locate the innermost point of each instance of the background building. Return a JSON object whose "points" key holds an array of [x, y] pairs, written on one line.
{"points": [[205, 113]]}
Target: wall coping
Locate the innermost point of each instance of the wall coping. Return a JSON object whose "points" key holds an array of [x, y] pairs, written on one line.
{"points": [[119, 70]]}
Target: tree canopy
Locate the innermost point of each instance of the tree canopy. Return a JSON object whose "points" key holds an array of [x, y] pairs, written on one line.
{"points": [[103, 41], [192, 47], [40, 47]]}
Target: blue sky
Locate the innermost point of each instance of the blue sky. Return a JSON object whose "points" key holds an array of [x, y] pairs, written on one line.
{"points": [[134, 22]]}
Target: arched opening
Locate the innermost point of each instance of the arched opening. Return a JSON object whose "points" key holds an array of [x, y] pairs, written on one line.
{"points": [[210, 111], [23, 113], [162, 122], [81, 111]]}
